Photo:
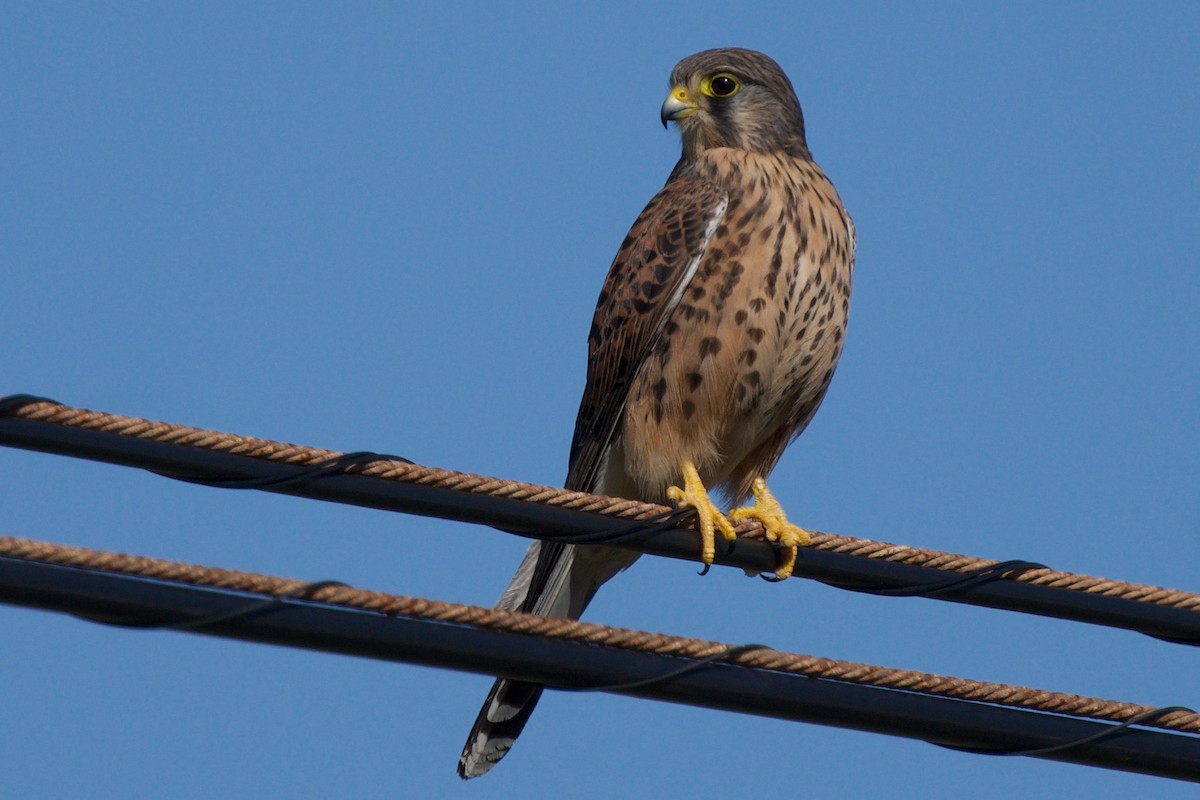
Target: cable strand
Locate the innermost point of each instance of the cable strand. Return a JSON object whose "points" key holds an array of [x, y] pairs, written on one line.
{"points": [[757, 657]]}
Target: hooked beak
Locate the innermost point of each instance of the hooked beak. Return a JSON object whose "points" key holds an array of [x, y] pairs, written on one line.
{"points": [[679, 104]]}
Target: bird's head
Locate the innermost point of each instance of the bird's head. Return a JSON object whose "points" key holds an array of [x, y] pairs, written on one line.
{"points": [[734, 98]]}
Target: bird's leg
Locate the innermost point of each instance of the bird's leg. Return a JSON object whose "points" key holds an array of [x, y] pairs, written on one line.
{"points": [[766, 509], [694, 494]]}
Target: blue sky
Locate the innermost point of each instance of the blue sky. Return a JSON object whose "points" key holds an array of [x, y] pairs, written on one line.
{"points": [[381, 227]]}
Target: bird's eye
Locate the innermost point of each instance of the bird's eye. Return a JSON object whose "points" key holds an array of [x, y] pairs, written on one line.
{"points": [[723, 85]]}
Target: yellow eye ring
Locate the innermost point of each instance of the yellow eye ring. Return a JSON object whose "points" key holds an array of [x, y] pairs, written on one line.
{"points": [[720, 85]]}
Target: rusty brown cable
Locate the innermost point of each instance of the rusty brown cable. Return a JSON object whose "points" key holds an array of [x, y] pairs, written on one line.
{"points": [[601, 635], [40, 409]]}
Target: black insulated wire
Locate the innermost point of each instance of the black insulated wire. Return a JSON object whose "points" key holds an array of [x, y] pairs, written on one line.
{"points": [[327, 627], [991, 586]]}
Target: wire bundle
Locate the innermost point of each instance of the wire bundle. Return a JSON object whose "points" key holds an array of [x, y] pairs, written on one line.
{"points": [[972, 715]]}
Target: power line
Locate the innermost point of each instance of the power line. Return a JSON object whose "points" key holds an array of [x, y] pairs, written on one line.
{"points": [[331, 617], [391, 483]]}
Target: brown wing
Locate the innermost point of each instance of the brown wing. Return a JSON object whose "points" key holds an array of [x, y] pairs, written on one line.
{"points": [[654, 265], [644, 284]]}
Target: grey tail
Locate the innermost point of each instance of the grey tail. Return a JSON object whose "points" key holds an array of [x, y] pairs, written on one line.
{"points": [[503, 716], [554, 580]]}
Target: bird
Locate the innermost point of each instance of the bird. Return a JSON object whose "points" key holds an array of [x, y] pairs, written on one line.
{"points": [[715, 337]]}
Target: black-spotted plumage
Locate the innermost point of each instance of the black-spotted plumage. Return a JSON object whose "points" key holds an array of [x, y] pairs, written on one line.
{"points": [[714, 339]]}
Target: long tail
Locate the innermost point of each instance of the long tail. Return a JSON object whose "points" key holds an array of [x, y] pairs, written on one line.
{"points": [[554, 581], [500, 721]]}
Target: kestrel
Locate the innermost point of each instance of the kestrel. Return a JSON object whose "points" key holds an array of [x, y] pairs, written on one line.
{"points": [[715, 337]]}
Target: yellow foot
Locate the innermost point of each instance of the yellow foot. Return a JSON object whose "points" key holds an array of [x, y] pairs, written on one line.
{"points": [[694, 495], [766, 509]]}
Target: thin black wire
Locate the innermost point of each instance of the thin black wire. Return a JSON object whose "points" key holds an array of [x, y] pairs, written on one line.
{"points": [[957, 582], [640, 529], [621, 531], [1138, 719], [251, 609], [334, 465], [728, 652]]}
